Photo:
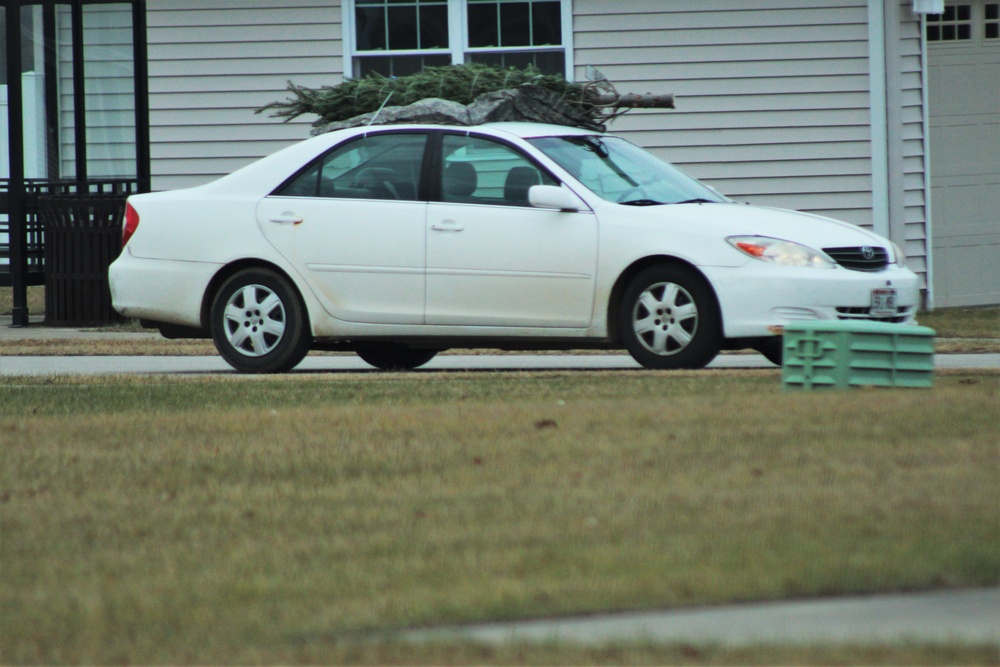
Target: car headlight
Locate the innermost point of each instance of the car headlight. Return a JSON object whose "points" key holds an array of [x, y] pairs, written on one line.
{"points": [[898, 254], [783, 253]]}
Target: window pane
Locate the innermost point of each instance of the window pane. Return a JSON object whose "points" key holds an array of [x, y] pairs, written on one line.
{"points": [[546, 23], [515, 24], [376, 167], [954, 25], [548, 62], [480, 171], [993, 12], [434, 27], [110, 91], [551, 62], [305, 184], [397, 65], [615, 169], [383, 166], [401, 25], [403, 28], [370, 28], [483, 25]]}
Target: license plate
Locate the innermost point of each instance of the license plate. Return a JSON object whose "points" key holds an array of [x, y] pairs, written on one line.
{"points": [[883, 302]]}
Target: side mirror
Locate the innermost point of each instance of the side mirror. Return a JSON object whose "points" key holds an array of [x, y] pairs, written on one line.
{"points": [[554, 196]]}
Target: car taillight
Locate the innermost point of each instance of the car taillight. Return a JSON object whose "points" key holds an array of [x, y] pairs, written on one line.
{"points": [[131, 223]]}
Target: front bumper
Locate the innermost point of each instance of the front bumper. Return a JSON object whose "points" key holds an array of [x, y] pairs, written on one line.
{"points": [[759, 299]]}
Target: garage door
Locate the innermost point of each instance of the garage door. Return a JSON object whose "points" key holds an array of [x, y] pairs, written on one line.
{"points": [[963, 47]]}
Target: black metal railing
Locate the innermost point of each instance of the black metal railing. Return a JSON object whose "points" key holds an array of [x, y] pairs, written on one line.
{"points": [[72, 233]]}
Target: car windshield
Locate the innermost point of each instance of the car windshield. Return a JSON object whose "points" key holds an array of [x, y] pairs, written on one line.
{"points": [[620, 171]]}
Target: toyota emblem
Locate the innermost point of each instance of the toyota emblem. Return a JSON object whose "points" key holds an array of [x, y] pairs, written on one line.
{"points": [[868, 252]]}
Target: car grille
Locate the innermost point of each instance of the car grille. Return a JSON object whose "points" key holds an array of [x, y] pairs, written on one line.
{"points": [[863, 313], [863, 258]]}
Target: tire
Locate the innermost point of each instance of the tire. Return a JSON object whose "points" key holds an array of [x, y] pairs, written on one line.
{"points": [[669, 318], [772, 349], [258, 323], [394, 356]]}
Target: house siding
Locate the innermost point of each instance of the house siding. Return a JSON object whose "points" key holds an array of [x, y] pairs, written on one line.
{"points": [[772, 100], [213, 63], [908, 164]]}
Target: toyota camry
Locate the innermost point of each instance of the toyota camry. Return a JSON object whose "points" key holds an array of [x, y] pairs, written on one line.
{"points": [[398, 242]]}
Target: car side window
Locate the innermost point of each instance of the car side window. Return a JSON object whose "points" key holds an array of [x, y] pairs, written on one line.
{"points": [[380, 166], [481, 171]]}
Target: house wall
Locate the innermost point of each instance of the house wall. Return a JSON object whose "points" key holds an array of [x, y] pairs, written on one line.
{"points": [[772, 99], [212, 63], [906, 135]]}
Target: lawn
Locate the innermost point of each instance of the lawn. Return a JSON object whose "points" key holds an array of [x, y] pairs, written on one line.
{"points": [[293, 519]]}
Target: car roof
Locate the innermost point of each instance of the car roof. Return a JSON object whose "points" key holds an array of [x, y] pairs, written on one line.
{"points": [[523, 130], [534, 130]]}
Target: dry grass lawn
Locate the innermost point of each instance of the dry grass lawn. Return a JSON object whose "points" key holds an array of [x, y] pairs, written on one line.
{"points": [[284, 520]]}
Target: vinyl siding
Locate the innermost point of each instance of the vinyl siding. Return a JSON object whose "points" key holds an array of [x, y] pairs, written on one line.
{"points": [[212, 63], [908, 180], [772, 99]]}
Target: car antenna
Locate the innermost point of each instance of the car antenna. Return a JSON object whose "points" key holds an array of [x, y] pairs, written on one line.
{"points": [[384, 102]]}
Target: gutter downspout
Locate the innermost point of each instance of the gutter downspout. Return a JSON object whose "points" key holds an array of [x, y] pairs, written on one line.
{"points": [[879, 117]]}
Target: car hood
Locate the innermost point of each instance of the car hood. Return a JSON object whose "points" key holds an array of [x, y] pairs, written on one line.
{"points": [[740, 219]]}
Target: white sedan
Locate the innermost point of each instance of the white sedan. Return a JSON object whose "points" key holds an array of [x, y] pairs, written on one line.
{"points": [[398, 242]]}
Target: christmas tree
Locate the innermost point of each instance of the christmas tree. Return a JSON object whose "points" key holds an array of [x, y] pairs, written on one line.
{"points": [[465, 95]]}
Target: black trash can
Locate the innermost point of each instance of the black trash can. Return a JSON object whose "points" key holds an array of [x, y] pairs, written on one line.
{"points": [[82, 237]]}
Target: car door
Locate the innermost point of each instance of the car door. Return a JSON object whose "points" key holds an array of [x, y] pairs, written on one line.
{"points": [[353, 226], [492, 258]]}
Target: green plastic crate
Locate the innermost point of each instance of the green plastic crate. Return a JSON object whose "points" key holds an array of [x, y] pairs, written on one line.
{"points": [[839, 354]]}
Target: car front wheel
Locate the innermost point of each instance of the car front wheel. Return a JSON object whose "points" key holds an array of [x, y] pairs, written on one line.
{"points": [[669, 318], [772, 349], [258, 323]]}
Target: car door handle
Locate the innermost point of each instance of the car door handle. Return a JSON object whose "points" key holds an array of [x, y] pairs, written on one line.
{"points": [[286, 218], [447, 226]]}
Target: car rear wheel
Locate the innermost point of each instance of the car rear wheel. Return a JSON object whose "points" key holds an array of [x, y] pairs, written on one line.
{"points": [[394, 356], [669, 318], [258, 323]]}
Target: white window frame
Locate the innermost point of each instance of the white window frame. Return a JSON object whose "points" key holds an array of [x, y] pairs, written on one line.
{"points": [[458, 47]]}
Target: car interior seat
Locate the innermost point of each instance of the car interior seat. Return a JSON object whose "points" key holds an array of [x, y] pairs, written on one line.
{"points": [[519, 181], [459, 182]]}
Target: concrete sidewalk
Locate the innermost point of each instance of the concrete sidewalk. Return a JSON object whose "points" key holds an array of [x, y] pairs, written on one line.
{"points": [[86, 365], [962, 616], [36, 330]]}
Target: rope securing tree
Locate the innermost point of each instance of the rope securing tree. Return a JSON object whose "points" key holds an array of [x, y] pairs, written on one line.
{"points": [[464, 95]]}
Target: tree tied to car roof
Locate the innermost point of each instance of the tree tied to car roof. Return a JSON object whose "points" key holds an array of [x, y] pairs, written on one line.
{"points": [[468, 94]]}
